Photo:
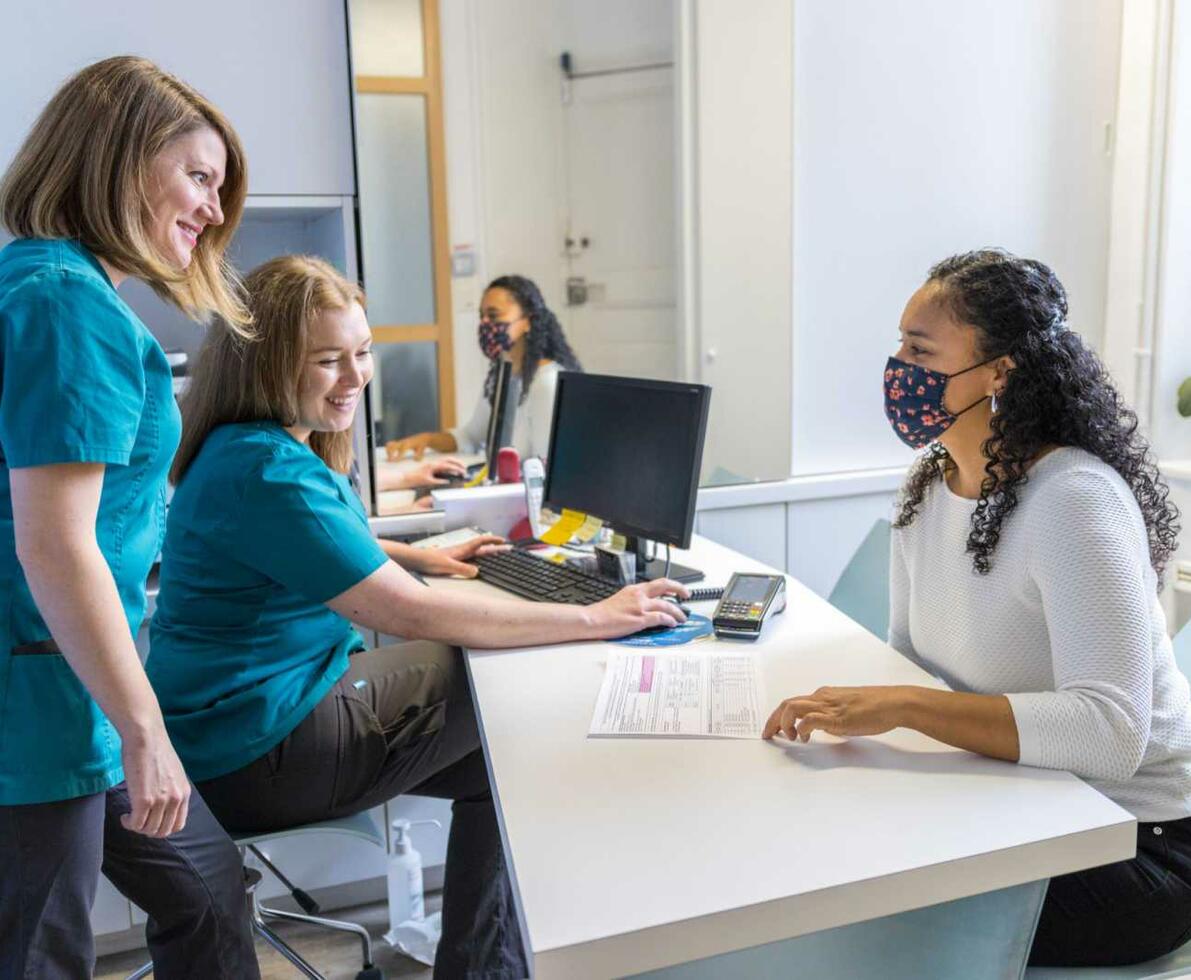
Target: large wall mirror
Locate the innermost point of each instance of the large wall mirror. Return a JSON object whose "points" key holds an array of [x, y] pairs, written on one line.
{"points": [[561, 163]]}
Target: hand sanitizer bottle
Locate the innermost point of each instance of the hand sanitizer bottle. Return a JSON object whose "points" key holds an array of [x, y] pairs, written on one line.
{"points": [[406, 899], [410, 931]]}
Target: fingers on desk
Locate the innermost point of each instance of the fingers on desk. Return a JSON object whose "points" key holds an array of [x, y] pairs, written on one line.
{"points": [[796, 718]]}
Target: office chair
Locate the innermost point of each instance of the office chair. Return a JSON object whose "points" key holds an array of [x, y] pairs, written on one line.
{"points": [[359, 825], [862, 591]]}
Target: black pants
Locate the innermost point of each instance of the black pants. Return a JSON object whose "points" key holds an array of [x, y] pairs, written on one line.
{"points": [[399, 721], [191, 885], [1122, 913]]}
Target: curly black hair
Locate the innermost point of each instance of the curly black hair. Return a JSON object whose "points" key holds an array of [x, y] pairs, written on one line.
{"points": [[545, 340], [1057, 394]]}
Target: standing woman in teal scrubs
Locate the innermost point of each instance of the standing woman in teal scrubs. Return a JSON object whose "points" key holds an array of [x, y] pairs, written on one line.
{"points": [[127, 173]]}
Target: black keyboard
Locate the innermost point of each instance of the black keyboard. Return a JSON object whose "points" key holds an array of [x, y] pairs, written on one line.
{"points": [[542, 580]]}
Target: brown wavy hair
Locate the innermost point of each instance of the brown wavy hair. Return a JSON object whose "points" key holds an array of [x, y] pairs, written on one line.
{"points": [[254, 379], [82, 173]]}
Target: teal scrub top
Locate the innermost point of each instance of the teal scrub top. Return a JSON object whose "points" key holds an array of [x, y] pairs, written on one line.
{"points": [[261, 533], [81, 380]]}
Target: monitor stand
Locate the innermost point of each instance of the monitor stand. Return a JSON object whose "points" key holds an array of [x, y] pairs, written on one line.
{"points": [[649, 569]]}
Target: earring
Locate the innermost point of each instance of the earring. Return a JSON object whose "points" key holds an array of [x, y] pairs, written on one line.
{"points": [[993, 406]]}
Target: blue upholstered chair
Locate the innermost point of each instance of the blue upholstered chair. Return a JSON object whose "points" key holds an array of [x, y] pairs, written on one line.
{"points": [[862, 591]]}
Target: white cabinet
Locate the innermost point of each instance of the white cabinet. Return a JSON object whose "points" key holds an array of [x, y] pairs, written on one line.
{"points": [[111, 912], [277, 68], [758, 531], [271, 226]]}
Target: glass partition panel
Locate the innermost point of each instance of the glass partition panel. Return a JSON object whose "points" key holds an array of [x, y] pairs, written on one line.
{"points": [[395, 208], [404, 389], [387, 37]]}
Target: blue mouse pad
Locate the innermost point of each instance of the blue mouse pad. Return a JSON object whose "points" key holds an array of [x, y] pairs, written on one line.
{"points": [[694, 627]]}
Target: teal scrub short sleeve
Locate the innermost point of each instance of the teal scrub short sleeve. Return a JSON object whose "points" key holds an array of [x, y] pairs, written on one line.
{"points": [[73, 382], [298, 529]]}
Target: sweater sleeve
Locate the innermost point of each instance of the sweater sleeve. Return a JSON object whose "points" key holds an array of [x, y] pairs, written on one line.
{"points": [[1089, 560], [470, 436]]}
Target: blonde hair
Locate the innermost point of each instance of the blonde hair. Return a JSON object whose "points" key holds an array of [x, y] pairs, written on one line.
{"points": [[252, 379], [83, 171]]}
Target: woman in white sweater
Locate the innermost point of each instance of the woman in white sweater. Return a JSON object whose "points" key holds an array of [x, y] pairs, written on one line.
{"points": [[515, 325], [1027, 554]]}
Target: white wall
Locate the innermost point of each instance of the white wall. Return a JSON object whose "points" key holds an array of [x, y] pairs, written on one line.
{"points": [[1172, 343], [922, 130], [1135, 226], [277, 68], [1170, 260]]}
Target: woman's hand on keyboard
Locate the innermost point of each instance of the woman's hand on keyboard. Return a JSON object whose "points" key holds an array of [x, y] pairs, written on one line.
{"points": [[454, 559], [638, 607]]}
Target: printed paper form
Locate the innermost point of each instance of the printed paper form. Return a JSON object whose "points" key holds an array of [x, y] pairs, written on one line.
{"points": [[699, 695]]}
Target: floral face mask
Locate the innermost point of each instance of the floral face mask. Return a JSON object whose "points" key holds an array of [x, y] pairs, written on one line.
{"points": [[914, 401]]}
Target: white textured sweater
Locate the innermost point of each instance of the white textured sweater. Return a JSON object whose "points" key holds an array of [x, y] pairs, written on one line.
{"points": [[531, 427], [1066, 623]]}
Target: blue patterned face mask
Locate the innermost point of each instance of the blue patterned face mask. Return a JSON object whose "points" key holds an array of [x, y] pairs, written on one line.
{"points": [[914, 401]]}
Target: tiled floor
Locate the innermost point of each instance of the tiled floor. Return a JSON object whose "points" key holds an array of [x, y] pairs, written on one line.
{"points": [[335, 955]]}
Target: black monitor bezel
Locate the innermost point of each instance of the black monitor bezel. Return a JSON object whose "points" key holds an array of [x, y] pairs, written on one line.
{"points": [[692, 490], [498, 414]]}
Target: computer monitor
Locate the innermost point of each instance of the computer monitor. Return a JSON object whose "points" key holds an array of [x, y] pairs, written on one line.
{"points": [[505, 394], [628, 450]]}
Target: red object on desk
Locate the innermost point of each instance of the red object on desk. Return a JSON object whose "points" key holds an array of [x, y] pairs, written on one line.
{"points": [[508, 465]]}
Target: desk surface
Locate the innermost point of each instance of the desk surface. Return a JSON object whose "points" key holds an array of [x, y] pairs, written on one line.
{"points": [[633, 854]]}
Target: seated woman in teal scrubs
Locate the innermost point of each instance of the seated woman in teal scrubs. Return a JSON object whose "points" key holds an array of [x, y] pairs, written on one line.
{"points": [[127, 173], [277, 711]]}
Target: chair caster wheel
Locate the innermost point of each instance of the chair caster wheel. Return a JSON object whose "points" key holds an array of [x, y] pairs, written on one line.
{"points": [[371, 973]]}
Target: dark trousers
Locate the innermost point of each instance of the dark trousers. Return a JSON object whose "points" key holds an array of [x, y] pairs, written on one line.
{"points": [[399, 721], [191, 885], [1122, 913]]}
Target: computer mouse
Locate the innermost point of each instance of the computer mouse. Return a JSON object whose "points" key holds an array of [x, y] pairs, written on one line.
{"points": [[673, 600]]}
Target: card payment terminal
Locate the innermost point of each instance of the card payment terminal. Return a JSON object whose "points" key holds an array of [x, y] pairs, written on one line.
{"points": [[747, 603]]}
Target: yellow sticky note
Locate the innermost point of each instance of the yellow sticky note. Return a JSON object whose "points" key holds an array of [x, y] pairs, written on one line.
{"points": [[558, 558], [589, 528], [567, 525], [618, 542]]}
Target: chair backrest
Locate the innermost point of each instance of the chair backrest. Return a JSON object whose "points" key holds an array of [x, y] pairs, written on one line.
{"points": [[862, 591], [1182, 649]]}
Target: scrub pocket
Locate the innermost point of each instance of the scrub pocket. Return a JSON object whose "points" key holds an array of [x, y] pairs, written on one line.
{"points": [[50, 723], [390, 724]]}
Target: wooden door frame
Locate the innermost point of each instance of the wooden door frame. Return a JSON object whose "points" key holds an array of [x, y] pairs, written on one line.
{"points": [[442, 330]]}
